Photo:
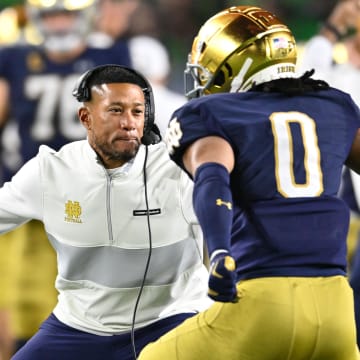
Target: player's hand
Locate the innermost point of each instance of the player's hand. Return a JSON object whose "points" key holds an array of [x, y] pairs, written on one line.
{"points": [[222, 279]]}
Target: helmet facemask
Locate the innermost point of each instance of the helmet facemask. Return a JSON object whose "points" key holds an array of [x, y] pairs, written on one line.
{"points": [[72, 34], [197, 79]]}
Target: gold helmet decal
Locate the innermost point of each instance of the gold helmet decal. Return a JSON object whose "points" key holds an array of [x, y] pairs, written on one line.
{"points": [[236, 48]]}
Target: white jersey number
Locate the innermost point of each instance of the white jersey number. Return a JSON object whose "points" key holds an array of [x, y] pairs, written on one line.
{"points": [[283, 152], [284, 155], [53, 96]]}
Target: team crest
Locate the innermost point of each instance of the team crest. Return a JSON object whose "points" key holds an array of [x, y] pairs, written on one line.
{"points": [[173, 135], [73, 212], [34, 62]]}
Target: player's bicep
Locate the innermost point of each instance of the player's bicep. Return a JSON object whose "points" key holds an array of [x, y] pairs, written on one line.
{"points": [[209, 149]]}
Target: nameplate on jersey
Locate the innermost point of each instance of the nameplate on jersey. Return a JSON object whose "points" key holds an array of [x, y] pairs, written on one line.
{"points": [[145, 212]]}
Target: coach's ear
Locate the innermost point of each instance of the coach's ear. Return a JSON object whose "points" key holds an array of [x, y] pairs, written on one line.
{"points": [[85, 117]]}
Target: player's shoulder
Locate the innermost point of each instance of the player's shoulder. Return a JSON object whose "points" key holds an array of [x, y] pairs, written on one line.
{"points": [[344, 99], [17, 56], [334, 91], [18, 49], [215, 100], [207, 100], [193, 105]]}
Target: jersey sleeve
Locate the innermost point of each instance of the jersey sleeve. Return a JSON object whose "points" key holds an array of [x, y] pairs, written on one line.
{"points": [[192, 121], [20, 198]]}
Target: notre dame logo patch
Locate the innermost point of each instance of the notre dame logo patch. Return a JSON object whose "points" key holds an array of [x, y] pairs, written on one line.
{"points": [[173, 136], [73, 212]]}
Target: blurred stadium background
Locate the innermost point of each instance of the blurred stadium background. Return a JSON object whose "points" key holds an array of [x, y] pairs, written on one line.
{"points": [[175, 22]]}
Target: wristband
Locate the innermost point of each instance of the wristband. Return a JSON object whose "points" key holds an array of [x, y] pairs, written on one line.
{"points": [[217, 252]]}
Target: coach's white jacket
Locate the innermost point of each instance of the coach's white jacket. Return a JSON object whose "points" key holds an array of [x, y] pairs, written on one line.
{"points": [[99, 227]]}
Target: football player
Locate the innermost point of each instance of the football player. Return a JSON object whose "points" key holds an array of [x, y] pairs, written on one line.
{"points": [[265, 147]]}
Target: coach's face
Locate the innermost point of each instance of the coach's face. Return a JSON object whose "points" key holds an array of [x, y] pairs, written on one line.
{"points": [[114, 119]]}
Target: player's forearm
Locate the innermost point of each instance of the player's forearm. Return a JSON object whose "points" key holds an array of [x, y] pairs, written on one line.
{"points": [[4, 97], [213, 205]]}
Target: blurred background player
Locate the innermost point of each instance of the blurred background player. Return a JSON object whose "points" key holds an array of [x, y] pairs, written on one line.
{"points": [[114, 18], [112, 21], [266, 148], [36, 107]]}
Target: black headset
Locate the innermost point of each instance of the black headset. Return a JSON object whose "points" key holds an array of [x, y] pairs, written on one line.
{"points": [[82, 93]]}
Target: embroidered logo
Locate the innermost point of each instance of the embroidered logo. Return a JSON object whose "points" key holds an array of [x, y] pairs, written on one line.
{"points": [[73, 212], [220, 202], [173, 135]]}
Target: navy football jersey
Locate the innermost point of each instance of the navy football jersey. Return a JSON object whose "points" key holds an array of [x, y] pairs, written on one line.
{"points": [[41, 102], [289, 155], [349, 190]]}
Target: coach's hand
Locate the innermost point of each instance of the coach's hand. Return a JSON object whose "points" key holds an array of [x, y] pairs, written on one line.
{"points": [[222, 279]]}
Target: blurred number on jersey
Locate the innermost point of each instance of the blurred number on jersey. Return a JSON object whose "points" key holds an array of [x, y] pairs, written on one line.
{"points": [[54, 101]]}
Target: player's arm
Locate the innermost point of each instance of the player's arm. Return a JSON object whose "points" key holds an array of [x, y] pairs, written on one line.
{"points": [[209, 149], [4, 101], [210, 161], [353, 160]]}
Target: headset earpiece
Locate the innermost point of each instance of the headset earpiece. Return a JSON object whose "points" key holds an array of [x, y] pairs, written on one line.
{"points": [[81, 90]]}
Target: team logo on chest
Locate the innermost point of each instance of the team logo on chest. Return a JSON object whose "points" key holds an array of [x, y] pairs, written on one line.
{"points": [[73, 212]]}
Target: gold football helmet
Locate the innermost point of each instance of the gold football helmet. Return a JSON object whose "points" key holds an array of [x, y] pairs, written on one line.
{"points": [[236, 48]]}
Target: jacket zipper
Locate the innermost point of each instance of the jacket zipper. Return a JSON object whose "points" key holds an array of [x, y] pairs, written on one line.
{"points": [[108, 208]]}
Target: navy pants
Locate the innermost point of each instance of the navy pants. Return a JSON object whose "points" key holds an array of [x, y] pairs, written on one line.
{"points": [[57, 341]]}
